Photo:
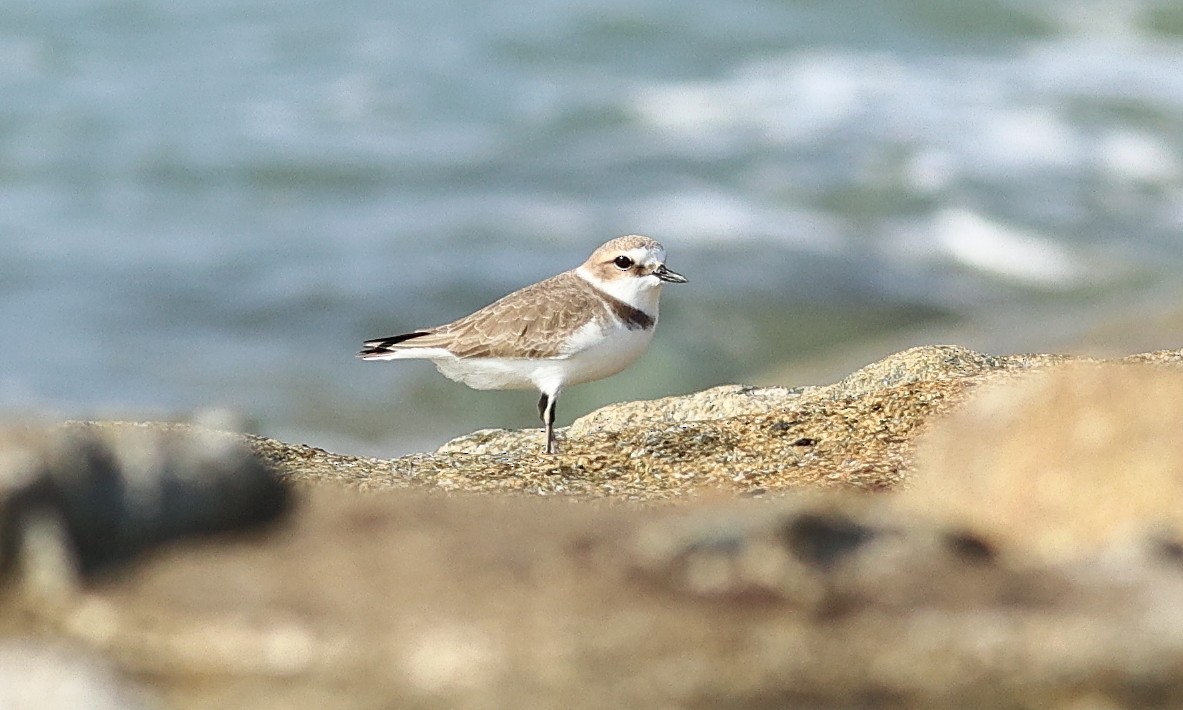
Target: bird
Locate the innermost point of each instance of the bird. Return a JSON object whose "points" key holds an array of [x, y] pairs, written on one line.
{"points": [[581, 325]]}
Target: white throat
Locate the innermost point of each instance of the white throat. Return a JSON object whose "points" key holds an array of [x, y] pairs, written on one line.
{"points": [[639, 292]]}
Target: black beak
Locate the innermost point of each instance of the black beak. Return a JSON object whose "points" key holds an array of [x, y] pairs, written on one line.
{"points": [[668, 276]]}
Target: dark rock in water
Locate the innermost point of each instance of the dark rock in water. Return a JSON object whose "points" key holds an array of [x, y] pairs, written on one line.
{"points": [[112, 490]]}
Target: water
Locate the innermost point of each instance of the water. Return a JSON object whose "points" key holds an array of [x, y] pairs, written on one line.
{"points": [[208, 205]]}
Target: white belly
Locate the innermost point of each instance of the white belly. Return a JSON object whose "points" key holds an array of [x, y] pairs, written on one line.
{"points": [[607, 356], [594, 357], [490, 373]]}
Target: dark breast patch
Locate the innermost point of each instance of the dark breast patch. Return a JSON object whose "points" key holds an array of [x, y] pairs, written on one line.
{"points": [[633, 318]]}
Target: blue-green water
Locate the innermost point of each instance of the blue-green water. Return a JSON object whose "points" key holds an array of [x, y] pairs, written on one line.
{"points": [[209, 204]]}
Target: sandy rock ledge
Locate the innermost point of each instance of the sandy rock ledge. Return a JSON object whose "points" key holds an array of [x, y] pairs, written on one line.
{"points": [[854, 434]]}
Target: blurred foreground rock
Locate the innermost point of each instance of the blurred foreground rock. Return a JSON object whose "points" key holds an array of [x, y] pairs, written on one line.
{"points": [[85, 495], [36, 675], [1063, 460], [1026, 553]]}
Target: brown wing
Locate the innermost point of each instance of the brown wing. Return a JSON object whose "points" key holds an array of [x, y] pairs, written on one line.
{"points": [[522, 324]]}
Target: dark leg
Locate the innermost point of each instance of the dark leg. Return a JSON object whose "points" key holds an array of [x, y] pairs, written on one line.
{"points": [[546, 412]]}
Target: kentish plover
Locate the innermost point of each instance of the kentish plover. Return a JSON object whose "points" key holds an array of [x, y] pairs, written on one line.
{"points": [[582, 325]]}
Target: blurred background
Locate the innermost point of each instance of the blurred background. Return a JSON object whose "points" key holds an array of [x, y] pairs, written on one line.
{"points": [[207, 205]]}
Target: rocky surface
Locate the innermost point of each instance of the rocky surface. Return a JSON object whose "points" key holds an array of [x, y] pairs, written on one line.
{"points": [[1023, 550], [857, 433]]}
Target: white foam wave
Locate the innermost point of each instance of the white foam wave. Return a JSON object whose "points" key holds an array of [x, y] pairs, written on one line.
{"points": [[707, 216], [1014, 254], [1138, 157], [788, 101], [989, 117]]}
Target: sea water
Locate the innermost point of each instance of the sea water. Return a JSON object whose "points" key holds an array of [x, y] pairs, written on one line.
{"points": [[206, 206]]}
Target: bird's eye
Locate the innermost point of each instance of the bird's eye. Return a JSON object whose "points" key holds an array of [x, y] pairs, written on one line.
{"points": [[623, 262]]}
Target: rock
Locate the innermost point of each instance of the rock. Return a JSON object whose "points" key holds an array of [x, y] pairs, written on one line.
{"points": [[715, 403], [466, 601], [854, 434], [35, 675], [824, 557], [97, 494], [774, 582], [929, 363], [1062, 461], [858, 433], [495, 442]]}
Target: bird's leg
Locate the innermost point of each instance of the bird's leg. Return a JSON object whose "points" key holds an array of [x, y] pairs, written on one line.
{"points": [[546, 412]]}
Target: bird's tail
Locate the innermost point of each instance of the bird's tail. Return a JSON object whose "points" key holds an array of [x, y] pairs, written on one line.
{"points": [[382, 348]]}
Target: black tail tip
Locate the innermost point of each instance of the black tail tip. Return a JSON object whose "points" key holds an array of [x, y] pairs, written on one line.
{"points": [[378, 346]]}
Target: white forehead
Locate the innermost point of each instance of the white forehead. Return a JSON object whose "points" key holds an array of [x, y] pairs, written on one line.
{"points": [[646, 255], [642, 250]]}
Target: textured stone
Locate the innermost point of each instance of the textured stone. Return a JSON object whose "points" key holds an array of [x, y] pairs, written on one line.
{"points": [[854, 434], [491, 442], [1063, 460], [714, 403], [929, 363], [858, 433]]}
